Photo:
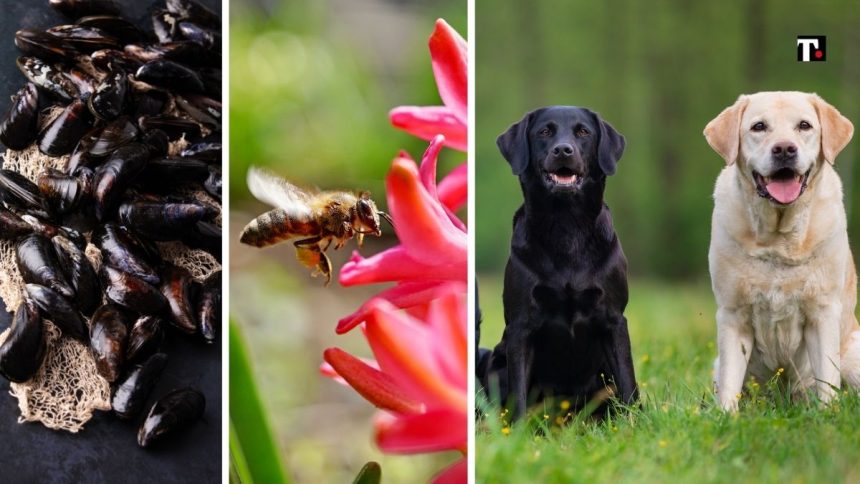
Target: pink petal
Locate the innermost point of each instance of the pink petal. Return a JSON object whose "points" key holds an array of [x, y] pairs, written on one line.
{"points": [[450, 55], [453, 190], [372, 384], [403, 296], [422, 225], [328, 371], [433, 431], [455, 474], [427, 170], [395, 265], [447, 317], [428, 121]]}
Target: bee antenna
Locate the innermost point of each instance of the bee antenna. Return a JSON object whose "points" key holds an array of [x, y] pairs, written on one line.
{"points": [[386, 217]]}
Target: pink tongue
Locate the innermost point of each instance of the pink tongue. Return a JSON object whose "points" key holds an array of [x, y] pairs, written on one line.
{"points": [[784, 191]]}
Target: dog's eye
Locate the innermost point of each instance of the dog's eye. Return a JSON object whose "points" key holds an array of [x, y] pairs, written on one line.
{"points": [[804, 126], [759, 126], [582, 132], [544, 132]]}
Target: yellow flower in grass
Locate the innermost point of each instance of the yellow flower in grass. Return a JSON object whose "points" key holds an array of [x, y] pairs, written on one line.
{"points": [[564, 405], [506, 430]]}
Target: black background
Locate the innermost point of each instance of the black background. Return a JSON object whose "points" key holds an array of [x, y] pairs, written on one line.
{"points": [[106, 449]]}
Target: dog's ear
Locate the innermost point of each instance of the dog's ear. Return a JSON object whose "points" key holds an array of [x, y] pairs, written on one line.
{"points": [[836, 129], [724, 132], [611, 146], [514, 144]]}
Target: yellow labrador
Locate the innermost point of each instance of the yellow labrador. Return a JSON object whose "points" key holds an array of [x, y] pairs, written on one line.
{"points": [[781, 268]]}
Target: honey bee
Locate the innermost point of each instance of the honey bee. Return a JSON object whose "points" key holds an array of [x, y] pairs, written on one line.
{"points": [[319, 218]]}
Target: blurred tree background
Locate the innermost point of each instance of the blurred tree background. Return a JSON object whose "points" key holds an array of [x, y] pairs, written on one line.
{"points": [[658, 71], [312, 82]]}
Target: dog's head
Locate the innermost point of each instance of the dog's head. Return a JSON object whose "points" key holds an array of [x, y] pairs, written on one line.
{"points": [[561, 148], [779, 140]]}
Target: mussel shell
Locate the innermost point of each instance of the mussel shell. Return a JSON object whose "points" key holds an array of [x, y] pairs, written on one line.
{"points": [[12, 226], [19, 126], [170, 75], [126, 252], [149, 103], [145, 338], [82, 8], [131, 292], [60, 136], [83, 82], [131, 394], [205, 236], [165, 25], [171, 413], [202, 109], [80, 273], [213, 183], [108, 340], [116, 175], [157, 141], [209, 151], [43, 45], [49, 230], [85, 39], [207, 38], [17, 191], [175, 128], [117, 27], [194, 11], [118, 133], [108, 100], [163, 221], [185, 52], [22, 353], [38, 264], [209, 306], [212, 79], [107, 60], [81, 154], [59, 311], [47, 77], [60, 192], [169, 171], [176, 288]]}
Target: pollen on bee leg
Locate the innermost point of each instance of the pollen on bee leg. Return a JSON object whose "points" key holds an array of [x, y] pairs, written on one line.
{"points": [[360, 239]]}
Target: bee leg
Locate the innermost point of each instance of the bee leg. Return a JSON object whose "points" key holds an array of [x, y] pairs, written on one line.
{"points": [[309, 253], [360, 238]]}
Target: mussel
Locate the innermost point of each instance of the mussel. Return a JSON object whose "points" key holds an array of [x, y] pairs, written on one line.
{"points": [[164, 220], [49, 230], [20, 125], [207, 38], [106, 60], [60, 192], [209, 151], [43, 45], [47, 77], [174, 127], [161, 172], [59, 311], [194, 11], [62, 134], [165, 25], [209, 306], [84, 39], [38, 264], [131, 394], [172, 413], [116, 175], [126, 252], [184, 52], [17, 191], [22, 353], [213, 183], [176, 288], [82, 8], [170, 75], [80, 273], [108, 100], [117, 27], [118, 133], [131, 292], [205, 236], [202, 109], [145, 338], [12, 226], [108, 339]]}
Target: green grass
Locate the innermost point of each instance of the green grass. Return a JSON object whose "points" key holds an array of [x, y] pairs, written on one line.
{"points": [[677, 435]]}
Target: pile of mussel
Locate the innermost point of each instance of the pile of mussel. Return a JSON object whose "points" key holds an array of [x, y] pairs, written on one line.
{"points": [[138, 113]]}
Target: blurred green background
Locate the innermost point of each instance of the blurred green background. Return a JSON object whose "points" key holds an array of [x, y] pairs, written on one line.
{"points": [[658, 71], [312, 82]]}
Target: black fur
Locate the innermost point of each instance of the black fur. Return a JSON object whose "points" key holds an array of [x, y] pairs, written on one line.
{"points": [[566, 279]]}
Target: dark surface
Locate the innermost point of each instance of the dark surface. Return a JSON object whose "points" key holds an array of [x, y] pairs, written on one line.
{"points": [[106, 449]]}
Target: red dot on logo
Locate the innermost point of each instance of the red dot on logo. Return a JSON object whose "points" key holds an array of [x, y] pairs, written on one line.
{"points": [[819, 54]]}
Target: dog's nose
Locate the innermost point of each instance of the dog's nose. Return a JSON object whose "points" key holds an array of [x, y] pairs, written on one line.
{"points": [[562, 149], [784, 151]]}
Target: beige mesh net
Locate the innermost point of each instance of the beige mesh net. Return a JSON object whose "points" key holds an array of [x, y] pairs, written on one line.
{"points": [[68, 389]]}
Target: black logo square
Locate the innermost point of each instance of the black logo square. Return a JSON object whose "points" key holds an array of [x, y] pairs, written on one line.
{"points": [[811, 48]]}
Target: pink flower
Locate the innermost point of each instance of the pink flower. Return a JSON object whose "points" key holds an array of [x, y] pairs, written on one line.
{"points": [[419, 378], [449, 54]]}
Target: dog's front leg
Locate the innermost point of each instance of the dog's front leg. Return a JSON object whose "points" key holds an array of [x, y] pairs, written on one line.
{"points": [[519, 356], [735, 344], [619, 357], [821, 334]]}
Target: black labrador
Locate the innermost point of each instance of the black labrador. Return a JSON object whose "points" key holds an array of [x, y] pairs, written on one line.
{"points": [[566, 279]]}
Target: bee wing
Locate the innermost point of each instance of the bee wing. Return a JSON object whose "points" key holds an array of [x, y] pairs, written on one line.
{"points": [[277, 192]]}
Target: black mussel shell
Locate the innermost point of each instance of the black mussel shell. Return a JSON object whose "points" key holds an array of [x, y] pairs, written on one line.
{"points": [[117, 27], [189, 9], [170, 75], [209, 306], [131, 292], [202, 109], [185, 52], [17, 191], [108, 339], [38, 264], [80, 273], [59, 311], [83, 8], [172, 413], [81, 154], [116, 174], [60, 136], [160, 172], [61, 193], [118, 133], [157, 141], [84, 39], [209, 151], [22, 353], [49, 230], [43, 45], [47, 77], [149, 103], [108, 100], [83, 82], [145, 338], [205, 236], [175, 128], [12, 226], [176, 288], [19, 126], [131, 394], [165, 25], [164, 221], [211, 78], [126, 252], [213, 183], [107, 60], [207, 38]]}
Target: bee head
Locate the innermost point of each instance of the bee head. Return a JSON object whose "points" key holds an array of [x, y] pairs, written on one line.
{"points": [[366, 215]]}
